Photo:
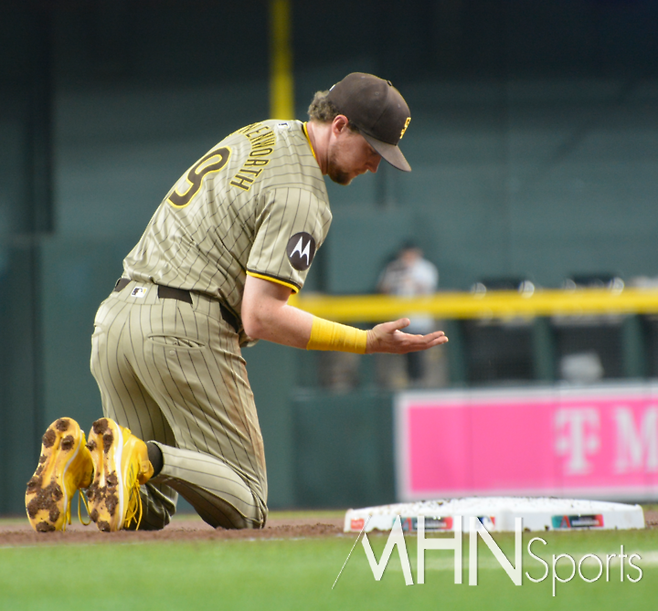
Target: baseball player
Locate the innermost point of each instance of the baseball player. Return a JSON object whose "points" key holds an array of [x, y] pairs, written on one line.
{"points": [[213, 271]]}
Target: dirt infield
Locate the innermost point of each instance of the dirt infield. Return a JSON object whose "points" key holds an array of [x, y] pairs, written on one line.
{"points": [[191, 528], [18, 533]]}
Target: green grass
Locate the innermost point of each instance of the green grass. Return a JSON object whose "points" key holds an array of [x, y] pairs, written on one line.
{"points": [[298, 574]]}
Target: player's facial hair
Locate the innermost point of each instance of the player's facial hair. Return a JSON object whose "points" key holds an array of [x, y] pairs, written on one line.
{"points": [[335, 172]]}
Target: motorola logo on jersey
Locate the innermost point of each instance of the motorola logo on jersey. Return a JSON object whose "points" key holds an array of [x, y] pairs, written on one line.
{"points": [[301, 250]]}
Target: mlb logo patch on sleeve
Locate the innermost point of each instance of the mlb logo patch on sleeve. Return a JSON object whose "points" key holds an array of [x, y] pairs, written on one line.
{"points": [[301, 250], [138, 291]]}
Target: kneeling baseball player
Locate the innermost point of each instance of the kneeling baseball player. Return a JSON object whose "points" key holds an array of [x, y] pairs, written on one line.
{"points": [[212, 273]]}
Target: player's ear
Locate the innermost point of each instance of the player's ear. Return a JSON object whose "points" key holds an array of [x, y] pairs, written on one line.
{"points": [[339, 124]]}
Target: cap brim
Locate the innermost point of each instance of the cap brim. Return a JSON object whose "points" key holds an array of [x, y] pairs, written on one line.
{"points": [[390, 152]]}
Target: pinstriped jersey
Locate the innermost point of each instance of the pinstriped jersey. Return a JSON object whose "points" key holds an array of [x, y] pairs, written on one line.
{"points": [[256, 203]]}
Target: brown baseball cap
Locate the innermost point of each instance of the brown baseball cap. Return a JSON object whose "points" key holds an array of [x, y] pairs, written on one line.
{"points": [[379, 111]]}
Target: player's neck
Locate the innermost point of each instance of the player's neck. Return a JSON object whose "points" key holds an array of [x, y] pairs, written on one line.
{"points": [[318, 135]]}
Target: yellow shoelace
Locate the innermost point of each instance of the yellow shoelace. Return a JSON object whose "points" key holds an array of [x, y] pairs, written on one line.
{"points": [[82, 498], [134, 506], [68, 517]]}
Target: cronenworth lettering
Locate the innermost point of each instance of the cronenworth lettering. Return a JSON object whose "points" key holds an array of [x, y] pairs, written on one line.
{"points": [[262, 138], [514, 571], [253, 130]]}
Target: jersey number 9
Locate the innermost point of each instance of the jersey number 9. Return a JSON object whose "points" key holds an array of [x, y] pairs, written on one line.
{"points": [[214, 161]]}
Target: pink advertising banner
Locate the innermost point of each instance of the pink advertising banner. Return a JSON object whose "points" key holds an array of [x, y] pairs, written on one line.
{"points": [[601, 442]]}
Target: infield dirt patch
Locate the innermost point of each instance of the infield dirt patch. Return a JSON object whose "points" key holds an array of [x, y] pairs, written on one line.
{"points": [[191, 528], [16, 533]]}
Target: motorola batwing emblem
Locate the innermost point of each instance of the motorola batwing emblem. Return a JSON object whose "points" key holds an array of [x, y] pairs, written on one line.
{"points": [[301, 250]]}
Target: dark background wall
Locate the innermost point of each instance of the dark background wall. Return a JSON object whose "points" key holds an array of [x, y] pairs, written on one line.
{"points": [[533, 143]]}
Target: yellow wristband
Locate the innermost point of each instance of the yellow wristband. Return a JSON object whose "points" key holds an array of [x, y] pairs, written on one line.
{"points": [[327, 335]]}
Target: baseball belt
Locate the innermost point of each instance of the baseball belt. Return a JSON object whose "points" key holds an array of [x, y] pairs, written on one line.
{"points": [[169, 292]]}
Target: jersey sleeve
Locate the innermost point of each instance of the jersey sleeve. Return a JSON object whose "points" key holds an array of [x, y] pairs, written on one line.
{"points": [[291, 225]]}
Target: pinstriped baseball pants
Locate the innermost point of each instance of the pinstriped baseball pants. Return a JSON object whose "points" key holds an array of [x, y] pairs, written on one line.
{"points": [[172, 373]]}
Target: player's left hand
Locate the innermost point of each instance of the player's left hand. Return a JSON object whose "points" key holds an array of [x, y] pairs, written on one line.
{"points": [[389, 337]]}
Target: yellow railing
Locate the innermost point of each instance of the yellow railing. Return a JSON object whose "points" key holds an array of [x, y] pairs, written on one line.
{"points": [[493, 304]]}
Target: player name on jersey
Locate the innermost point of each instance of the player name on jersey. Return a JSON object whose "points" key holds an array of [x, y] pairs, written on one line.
{"points": [[262, 140]]}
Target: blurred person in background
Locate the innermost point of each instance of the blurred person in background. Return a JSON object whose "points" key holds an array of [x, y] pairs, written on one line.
{"points": [[411, 275]]}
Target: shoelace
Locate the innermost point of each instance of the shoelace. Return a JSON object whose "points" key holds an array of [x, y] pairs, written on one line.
{"points": [[134, 506], [67, 520], [82, 498]]}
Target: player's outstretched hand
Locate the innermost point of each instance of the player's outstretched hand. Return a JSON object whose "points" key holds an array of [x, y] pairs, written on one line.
{"points": [[389, 337]]}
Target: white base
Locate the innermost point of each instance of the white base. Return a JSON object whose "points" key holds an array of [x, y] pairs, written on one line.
{"points": [[497, 513]]}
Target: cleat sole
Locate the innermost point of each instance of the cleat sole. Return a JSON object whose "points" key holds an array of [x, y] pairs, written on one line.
{"points": [[120, 465], [106, 491], [48, 493]]}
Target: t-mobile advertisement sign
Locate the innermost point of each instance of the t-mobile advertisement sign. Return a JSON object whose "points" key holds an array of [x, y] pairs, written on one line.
{"points": [[600, 442]]}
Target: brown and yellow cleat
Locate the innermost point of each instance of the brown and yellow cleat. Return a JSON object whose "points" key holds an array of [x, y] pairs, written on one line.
{"points": [[65, 466], [121, 465]]}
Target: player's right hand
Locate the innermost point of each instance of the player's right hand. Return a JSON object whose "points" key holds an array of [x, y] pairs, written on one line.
{"points": [[389, 337]]}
